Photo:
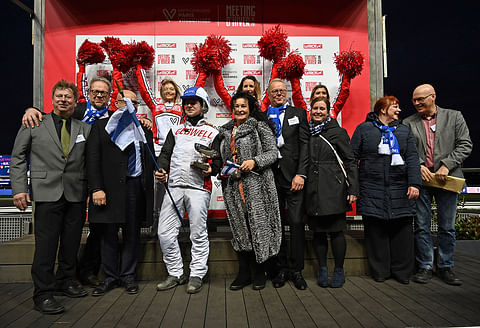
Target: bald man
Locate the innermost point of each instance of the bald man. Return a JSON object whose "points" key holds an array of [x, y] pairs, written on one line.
{"points": [[120, 184], [443, 143]]}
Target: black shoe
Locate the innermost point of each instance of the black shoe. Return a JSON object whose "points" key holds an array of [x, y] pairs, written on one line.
{"points": [[105, 287], [49, 306], [259, 281], [131, 287], [298, 281], [72, 290], [280, 279], [403, 281], [91, 281], [379, 279], [447, 275], [422, 276], [240, 282]]}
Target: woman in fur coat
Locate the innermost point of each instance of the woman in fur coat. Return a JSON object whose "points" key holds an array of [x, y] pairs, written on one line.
{"points": [[249, 193]]}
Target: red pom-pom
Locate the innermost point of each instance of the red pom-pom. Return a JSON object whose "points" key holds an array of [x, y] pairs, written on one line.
{"points": [[212, 55], [142, 53], [291, 66], [117, 52], [273, 44], [349, 63], [90, 53]]}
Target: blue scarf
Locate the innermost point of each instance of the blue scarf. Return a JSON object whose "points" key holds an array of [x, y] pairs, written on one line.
{"points": [[388, 144], [92, 116], [315, 129], [273, 114]]}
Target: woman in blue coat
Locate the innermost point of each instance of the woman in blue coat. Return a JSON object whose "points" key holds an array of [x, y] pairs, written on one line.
{"points": [[390, 179]]}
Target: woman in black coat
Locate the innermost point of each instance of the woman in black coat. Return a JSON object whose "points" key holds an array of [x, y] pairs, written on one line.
{"points": [[389, 183], [329, 194]]}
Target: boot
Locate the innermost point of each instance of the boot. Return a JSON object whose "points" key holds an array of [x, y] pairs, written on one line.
{"points": [[322, 279], [259, 276], [243, 277], [338, 278]]}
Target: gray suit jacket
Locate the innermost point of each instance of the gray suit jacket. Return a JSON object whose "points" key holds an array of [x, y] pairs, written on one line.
{"points": [[452, 140], [50, 175]]}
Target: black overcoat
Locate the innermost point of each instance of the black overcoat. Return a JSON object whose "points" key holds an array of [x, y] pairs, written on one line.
{"points": [[107, 170], [326, 188]]}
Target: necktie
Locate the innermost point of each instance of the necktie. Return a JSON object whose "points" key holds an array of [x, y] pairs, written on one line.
{"points": [[132, 160], [65, 138]]}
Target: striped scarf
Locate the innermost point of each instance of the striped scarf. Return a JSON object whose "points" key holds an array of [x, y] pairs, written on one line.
{"points": [[388, 144], [315, 129], [273, 114]]}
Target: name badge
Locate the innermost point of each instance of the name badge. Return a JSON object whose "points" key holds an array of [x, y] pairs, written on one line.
{"points": [[80, 138], [294, 120], [433, 127]]}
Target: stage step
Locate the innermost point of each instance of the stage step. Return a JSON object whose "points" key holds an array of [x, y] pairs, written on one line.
{"points": [[16, 257]]}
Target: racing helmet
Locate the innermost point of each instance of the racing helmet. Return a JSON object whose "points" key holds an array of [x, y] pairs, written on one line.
{"points": [[197, 92]]}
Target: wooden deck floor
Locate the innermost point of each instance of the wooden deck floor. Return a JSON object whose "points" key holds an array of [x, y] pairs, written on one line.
{"points": [[360, 303]]}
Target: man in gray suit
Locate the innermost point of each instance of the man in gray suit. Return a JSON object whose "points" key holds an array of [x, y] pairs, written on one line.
{"points": [[443, 143], [56, 149]]}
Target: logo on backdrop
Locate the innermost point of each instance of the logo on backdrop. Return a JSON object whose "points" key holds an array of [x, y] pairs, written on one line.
{"points": [[312, 46], [169, 13], [185, 60], [313, 73], [166, 45], [185, 87]]}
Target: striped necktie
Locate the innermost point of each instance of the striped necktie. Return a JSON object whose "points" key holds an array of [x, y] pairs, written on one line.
{"points": [[65, 138]]}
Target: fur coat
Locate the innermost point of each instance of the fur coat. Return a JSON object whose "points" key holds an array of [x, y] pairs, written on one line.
{"points": [[255, 224]]}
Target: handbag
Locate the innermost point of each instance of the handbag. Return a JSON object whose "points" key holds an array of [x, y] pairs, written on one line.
{"points": [[339, 160]]}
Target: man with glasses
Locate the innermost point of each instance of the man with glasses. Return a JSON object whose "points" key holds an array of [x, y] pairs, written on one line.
{"points": [[120, 185], [290, 173], [443, 143], [95, 108]]}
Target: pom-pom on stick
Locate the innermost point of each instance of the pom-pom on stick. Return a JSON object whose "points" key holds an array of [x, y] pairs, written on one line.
{"points": [[349, 63], [117, 52], [143, 53], [212, 55], [291, 66], [273, 44], [90, 53]]}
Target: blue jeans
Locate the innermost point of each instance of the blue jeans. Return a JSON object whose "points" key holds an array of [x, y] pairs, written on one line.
{"points": [[446, 213]]}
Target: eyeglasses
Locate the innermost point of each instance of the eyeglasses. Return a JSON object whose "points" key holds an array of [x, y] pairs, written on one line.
{"points": [[98, 93], [279, 91], [421, 99]]}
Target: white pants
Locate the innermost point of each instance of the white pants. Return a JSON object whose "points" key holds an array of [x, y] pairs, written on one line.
{"points": [[195, 202]]}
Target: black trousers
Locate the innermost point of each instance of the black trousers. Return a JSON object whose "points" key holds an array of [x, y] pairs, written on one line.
{"points": [[389, 245], [294, 204], [89, 263], [125, 270], [55, 222]]}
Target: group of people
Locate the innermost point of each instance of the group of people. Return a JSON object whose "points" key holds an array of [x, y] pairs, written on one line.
{"points": [[275, 167]]}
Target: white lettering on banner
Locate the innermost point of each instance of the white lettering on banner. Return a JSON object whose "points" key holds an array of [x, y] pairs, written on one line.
{"points": [[252, 72], [240, 16], [249, 45], [219, 198], [167, 45], [103, 72], [231, 88], [312, 46], [310, 73], [231, 60], [194, 132], [223, 115], [166, 72]]}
